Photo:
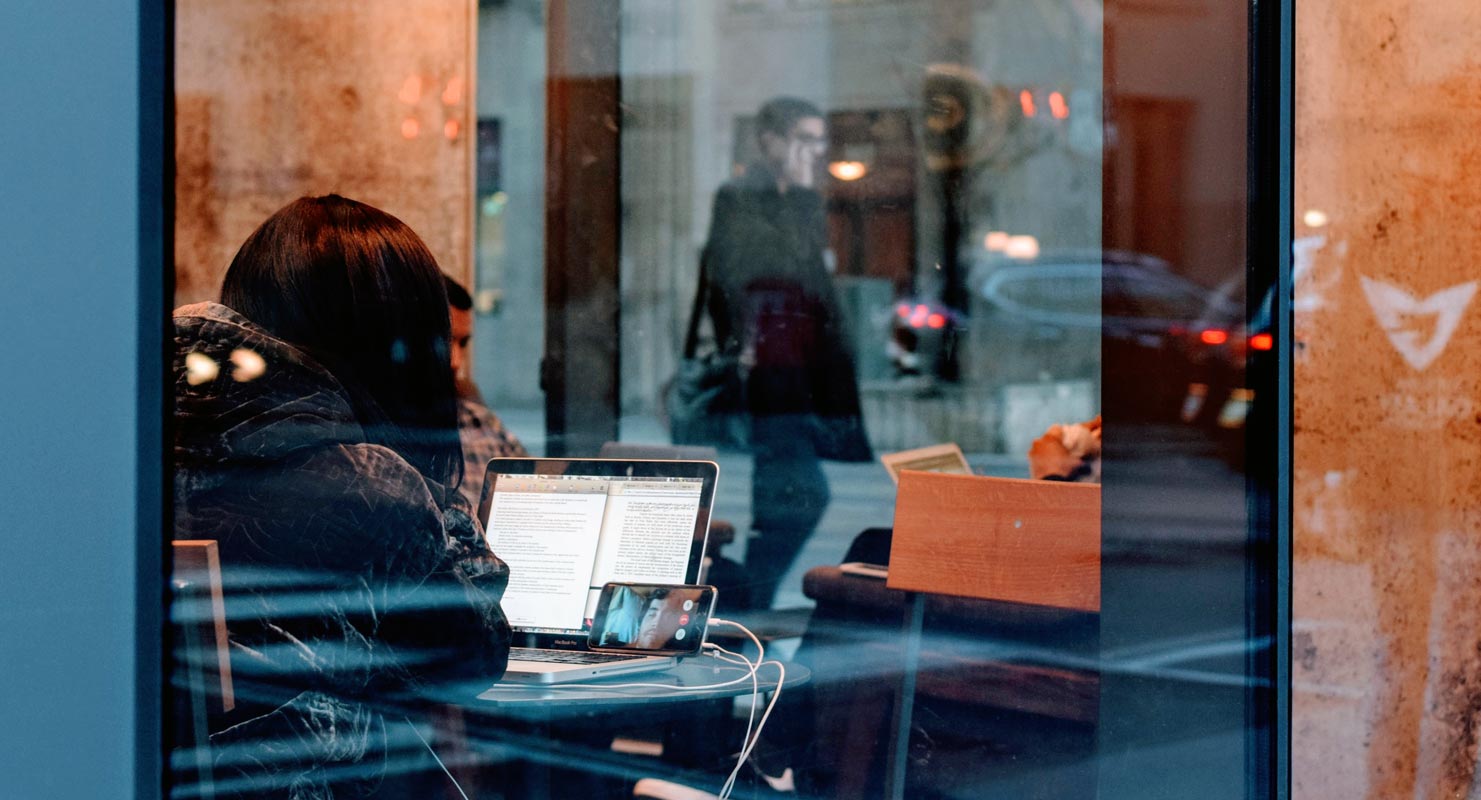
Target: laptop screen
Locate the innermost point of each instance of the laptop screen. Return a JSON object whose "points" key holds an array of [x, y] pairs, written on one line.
{"points": [[565, 531]]}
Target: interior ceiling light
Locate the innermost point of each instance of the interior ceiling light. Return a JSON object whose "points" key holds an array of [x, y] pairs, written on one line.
{"points": [[847, 170]]}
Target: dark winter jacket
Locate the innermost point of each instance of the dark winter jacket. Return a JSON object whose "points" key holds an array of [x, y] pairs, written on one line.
{"points": [[354, 585], [772, 301]]}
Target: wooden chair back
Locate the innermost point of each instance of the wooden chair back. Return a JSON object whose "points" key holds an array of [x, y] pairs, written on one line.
{"points": [[1019, 541], [199, 615]]}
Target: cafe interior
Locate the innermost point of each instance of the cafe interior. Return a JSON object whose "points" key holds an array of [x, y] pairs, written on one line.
{"points": [[820, 305]]}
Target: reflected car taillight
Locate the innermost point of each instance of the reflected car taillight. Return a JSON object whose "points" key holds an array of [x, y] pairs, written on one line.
{"points": [[1213, 336], [1262, 341]]}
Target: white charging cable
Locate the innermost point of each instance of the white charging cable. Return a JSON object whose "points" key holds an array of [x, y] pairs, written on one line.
{"points": [[725, 655], [436, 757], [752, 737], [753, 726]]}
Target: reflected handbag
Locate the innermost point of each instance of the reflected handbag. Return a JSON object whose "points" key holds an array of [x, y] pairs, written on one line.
{"points": [[706, 400], [706, 404]]}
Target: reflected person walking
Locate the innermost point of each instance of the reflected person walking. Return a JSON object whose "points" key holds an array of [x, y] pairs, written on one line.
{"points": [[773, 304]]}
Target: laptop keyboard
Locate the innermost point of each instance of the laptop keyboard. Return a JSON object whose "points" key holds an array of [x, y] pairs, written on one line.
{"points": [[566, 656]]}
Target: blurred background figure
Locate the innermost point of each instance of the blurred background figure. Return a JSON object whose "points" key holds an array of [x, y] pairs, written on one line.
{"points": [[481, 432], [773, 304]]}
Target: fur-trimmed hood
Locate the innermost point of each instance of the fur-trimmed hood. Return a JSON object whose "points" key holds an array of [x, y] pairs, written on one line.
{"points": [[353, 583]]}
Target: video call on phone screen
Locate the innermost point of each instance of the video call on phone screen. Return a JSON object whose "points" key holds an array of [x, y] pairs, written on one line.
{"points": [[652, 618]]}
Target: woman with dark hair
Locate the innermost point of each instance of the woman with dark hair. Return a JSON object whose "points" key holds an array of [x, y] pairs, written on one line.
{"points": [[315, 440]]}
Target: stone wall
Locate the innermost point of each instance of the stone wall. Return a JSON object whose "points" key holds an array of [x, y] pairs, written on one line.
{"points": [[1387, 485], [276, 99]]}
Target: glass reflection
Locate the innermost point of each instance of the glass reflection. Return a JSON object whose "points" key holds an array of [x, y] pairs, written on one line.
{"points": [[987, 225]]}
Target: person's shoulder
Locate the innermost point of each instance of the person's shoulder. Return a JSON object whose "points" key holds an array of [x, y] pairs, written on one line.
{"points": [[483, 432], [362, 486], [729, 194], [215, 322], [206, 311], [751, 184], [381, 474], [473, 414], [342, 506]]}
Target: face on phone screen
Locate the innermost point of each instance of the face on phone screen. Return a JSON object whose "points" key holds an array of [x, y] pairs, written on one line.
{"points": [[652, 618]]}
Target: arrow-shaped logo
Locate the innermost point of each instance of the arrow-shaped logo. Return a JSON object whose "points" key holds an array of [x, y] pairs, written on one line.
{"points": [[1402, 316]]}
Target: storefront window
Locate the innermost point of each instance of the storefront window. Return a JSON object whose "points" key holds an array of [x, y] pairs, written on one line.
{"points": [[957, 295]]}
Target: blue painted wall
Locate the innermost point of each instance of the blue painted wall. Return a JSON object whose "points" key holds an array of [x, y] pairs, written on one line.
{"points": [[69, 368]]}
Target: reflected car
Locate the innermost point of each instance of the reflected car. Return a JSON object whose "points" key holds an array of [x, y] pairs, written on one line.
{"points": [[921, 331], [1219, 346], [1127, 314]]}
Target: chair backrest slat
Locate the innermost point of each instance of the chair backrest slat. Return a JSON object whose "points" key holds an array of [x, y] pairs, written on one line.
{"points": [[1021, 541], [197, 568]]}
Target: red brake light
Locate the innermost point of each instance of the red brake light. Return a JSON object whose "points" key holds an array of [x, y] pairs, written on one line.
{"points": [[1026, 102], [936, 321], [1057, 106], [903, 310], [1213, 336], [1262, 341]]}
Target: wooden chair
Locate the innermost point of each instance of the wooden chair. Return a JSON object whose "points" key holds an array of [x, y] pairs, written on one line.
{"points": [[1034, 543], [990, 609], [201, 664]]}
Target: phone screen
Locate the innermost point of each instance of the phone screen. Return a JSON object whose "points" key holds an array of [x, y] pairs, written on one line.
{"points": [[652, 618]]}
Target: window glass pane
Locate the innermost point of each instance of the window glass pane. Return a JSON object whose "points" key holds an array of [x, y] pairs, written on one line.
{"points": [[946, 214], [898, 268], [509, 217]]}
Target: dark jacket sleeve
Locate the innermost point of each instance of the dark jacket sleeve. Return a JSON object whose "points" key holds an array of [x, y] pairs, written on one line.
{"points": [[344, 576], [771, 296], [724, 259]]}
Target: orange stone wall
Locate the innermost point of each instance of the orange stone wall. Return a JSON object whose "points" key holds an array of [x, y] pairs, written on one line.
{"points": [[276, 99], [1387, 520]]}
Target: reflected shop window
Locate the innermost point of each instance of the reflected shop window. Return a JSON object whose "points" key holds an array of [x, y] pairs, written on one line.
{"points": [[899, 270]]}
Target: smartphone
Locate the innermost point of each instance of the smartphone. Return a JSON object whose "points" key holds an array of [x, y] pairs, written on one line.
{"points": [[651, 618]]}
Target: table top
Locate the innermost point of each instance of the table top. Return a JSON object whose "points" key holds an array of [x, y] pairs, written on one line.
{"points": [[701, 677]]}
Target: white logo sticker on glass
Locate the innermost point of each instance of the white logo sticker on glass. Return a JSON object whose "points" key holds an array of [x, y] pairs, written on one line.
{"points": [[1396, 311]]}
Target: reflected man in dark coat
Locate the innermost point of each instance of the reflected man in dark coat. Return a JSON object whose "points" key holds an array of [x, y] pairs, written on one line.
{"points": [[773, 303]]}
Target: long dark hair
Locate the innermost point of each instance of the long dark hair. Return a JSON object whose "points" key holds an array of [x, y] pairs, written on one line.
{"points": [[359, 291]]}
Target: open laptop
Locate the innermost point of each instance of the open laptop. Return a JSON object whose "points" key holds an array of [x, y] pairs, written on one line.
{"points": [[566, 527]]}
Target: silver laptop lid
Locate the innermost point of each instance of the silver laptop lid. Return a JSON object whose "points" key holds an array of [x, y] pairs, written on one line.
{"points": [[566, 527]]}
